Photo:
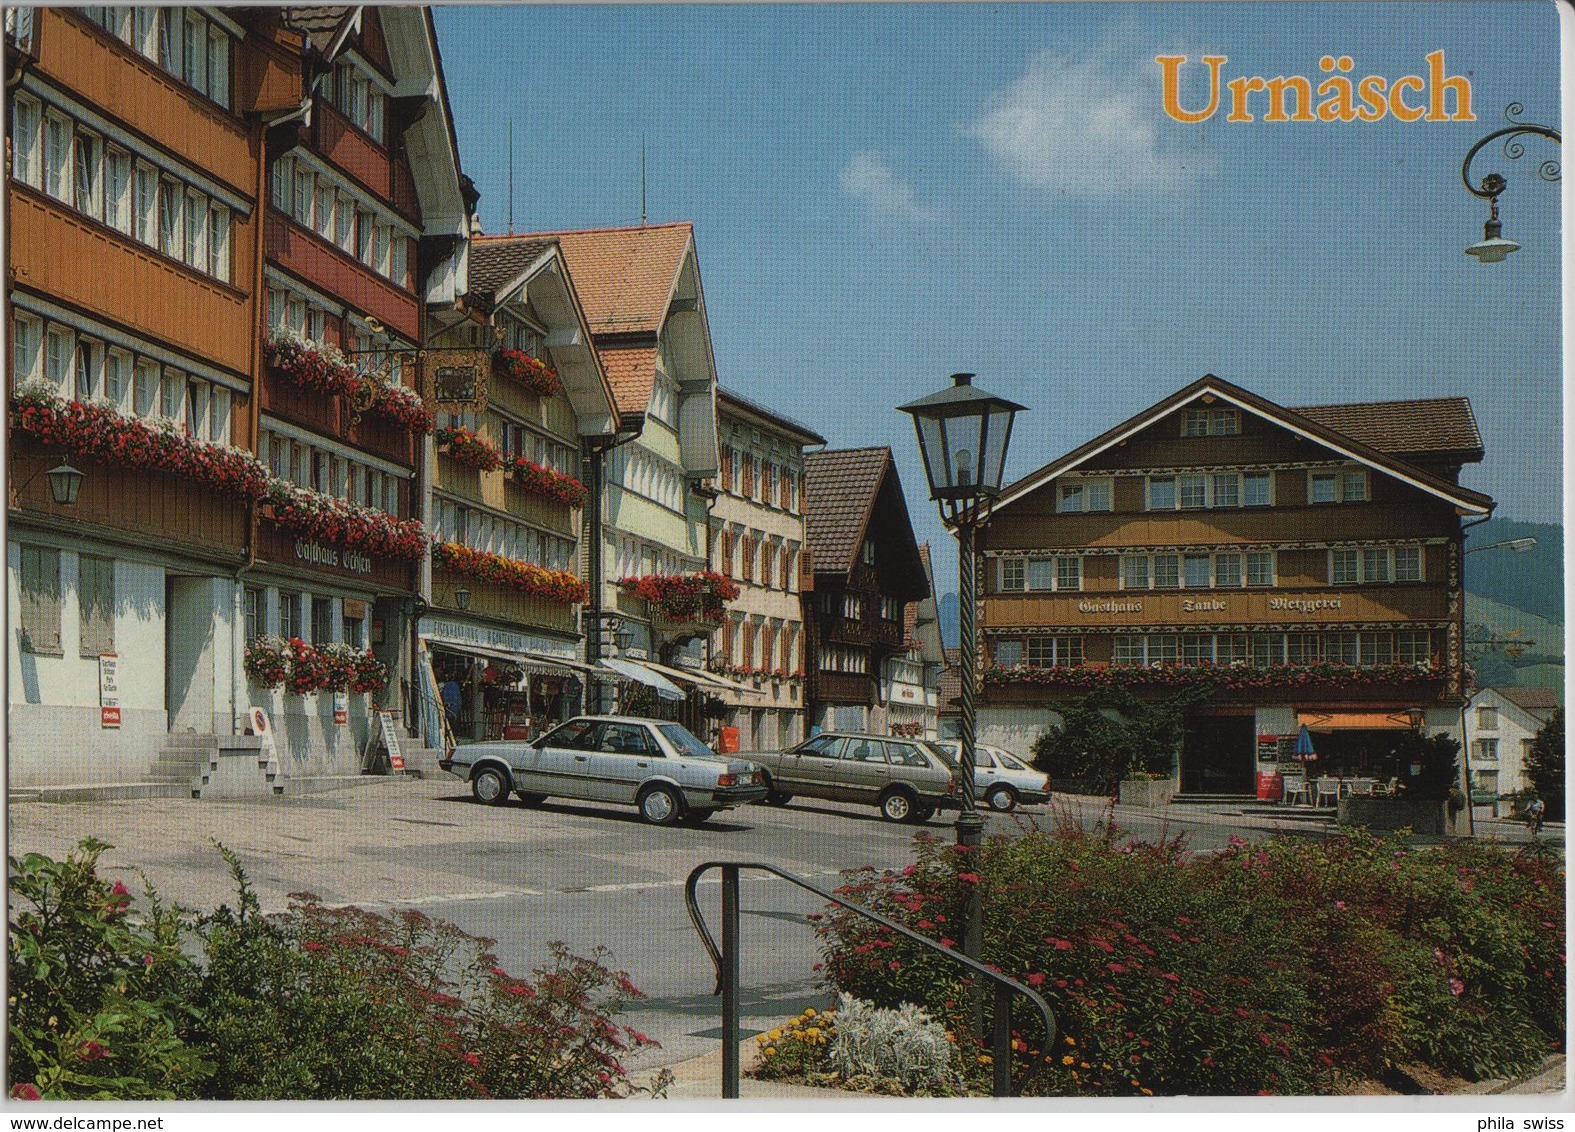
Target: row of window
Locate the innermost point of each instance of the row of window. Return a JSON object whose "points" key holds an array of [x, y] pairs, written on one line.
{"points": [[107, 183], [41, 606], [636, 558], [1226, 570], [81, 367], [637, 470], [358, 98], [181, 40], [745, 643], [289, 309], [845, 659], [754, 557], [1191, 491], [330, 473], [326, 204], [317, 619], [1403, 646], [516, 439], [753, 476], [494, 534]]}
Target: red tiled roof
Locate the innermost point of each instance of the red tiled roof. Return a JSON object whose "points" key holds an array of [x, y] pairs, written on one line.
{"points": [[631, 371], [839, 491], [625, 276], [1409, 428]]}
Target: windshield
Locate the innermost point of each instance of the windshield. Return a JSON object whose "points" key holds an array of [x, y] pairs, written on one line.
{"points": [[1008, 761], [942, 753], [685, 742]]}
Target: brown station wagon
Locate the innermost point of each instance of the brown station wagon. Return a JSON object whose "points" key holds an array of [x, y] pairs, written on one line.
{"points": [[906, 779]]}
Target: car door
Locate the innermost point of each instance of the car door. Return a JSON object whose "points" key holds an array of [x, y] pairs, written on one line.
{"points": [[864, 772], [621, 761], [811, 768], [562, 766]]}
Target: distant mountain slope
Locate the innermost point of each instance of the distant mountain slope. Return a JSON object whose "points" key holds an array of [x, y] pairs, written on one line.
{"points": [[1532, 581]]}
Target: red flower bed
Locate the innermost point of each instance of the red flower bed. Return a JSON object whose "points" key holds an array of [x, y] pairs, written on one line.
{"points": [[98, 432], [349, 526], [526, 577], [402, 405], [470, 448], [533, 373], [1222, 677], [685, 597], [544, 481], [311, 365]]}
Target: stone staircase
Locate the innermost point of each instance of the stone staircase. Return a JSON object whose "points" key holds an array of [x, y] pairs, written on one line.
{"points": [[216, 766]]}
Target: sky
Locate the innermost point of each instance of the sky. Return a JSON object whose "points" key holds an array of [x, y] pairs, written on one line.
{"points": [[886, 194]]}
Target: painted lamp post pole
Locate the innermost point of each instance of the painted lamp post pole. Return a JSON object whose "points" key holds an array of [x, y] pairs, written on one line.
{"points": [[1494, 248], [963, 433]]}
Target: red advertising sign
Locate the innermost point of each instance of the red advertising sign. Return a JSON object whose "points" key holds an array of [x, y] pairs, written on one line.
{"points": [[109, 717]]}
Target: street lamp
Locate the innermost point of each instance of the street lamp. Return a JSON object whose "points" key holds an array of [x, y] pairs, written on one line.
{"points": [[1518, 545], [65, 484], [963, 433], [1493, 247]]}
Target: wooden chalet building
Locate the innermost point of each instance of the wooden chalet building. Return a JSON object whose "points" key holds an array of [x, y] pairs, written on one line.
{"points": [[867, 569], [1304, 565]]}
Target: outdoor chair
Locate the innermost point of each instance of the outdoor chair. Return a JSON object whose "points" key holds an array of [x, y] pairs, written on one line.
{"points": [[1362, 788], [1295, 790], [1328, 788]]}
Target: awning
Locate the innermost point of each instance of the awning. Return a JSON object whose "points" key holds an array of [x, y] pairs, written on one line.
{"points": [[640, 673], [560, 662], [701, 679], [528, 660], [1354, 720]]}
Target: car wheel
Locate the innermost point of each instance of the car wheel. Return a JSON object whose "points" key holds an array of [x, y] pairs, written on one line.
{"points": [[490, 786], [660, 805], [897, 805], [1002, 798], [530, 799], [698, 817], [775, 797]]}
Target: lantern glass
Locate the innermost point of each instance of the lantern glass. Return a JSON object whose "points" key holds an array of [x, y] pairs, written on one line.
{"points": [[963, 434], [65, 482]]}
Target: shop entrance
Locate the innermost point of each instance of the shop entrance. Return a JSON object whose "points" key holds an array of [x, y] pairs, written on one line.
{"points": [[1218, 755]]}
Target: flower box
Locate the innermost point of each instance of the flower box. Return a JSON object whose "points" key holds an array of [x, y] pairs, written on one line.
{"points": [[533, 373], [547, 482], [301, 669], [1383, 815], [524, 577], [470, 448], [349, 526], [313, 366], [402, 405], [98, 432], [685, 599], [1221, 677]]}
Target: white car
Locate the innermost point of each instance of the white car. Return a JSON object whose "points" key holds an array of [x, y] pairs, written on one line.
{"points": [[1000, 778], [654, 764]]}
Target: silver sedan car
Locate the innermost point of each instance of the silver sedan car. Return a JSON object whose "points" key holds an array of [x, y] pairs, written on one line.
{"points": [[1001, 779], [652, 764]]}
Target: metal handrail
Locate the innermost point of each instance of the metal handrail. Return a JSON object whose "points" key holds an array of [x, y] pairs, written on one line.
{"points": [[725, 960]]}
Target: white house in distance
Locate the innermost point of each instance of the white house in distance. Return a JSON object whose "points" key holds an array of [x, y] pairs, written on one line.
{"points": [[1501, 725]]}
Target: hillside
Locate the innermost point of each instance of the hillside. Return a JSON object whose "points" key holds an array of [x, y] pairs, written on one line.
{"points": [[1532, 581]]}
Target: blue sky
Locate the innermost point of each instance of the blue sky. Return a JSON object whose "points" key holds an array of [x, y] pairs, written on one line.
{"points": [[886, 194]]}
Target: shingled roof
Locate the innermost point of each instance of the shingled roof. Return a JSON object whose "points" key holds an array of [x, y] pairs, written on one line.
{"points": [[839, 492], [1538, 701], [320, 24], [1436, 426], [499, 260]]}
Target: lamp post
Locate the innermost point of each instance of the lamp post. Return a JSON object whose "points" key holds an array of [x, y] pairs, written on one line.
{"points": [[1493, 247], [1518, 545], [963, 434]]}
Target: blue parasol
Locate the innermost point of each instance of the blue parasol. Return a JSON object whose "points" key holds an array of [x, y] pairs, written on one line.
{"points": [[1304, 746]]}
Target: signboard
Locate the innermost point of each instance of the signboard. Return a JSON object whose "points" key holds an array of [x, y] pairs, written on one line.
{"points": [[108, 689], [341, 708], [258, 718], [385, 736], [1268, 748], [459, 376]]}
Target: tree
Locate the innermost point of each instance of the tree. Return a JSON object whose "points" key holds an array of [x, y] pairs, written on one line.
{"points": [[1544, 765], [1437, 758], [1108, 735]]}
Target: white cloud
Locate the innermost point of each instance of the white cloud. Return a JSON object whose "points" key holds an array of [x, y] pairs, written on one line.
{"points": [[867, 177], [1085, 126]]}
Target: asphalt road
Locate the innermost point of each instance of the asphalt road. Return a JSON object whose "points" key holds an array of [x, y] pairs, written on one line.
{"points": [[586, 874]]}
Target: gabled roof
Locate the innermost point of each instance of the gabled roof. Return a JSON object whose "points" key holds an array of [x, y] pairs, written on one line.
{"points": [[324, 26], [1434, 427], [497, 264], [626, 276], [803, 434], [1538, 701], [839, 492], [1466, 500]]}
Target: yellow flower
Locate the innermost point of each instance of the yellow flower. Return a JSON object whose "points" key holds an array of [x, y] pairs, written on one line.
{"points": [[813, 1031], [1084, 1065], [810, 1013], [53, 1021], [1068, 1059], [1148, 1092], [1071, 1041], [985, 1059], [771, 1051]]}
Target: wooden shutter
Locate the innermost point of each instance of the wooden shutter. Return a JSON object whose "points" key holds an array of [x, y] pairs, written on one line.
{"points": [[96, 600], [41, 599]]}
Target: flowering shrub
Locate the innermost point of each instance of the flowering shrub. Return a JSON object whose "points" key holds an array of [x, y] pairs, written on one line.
{"points": [[552, 484], [402, 405], [908, 730], [1362, 955], [314, 366], [797, 1049], [685, 597], [1224, 677], [470, 448], [338, 522], [274, 663], [315, 1003], [96, 431], [526, 577], [533, 373]]}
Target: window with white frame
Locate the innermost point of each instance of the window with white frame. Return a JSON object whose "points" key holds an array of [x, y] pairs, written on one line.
{"points": [[1083, 495], [1210, 422], [183, 41], [1260, 568], [1374, 565], [27, 344], [1053, 651], [1338, 485], [26, 163], [1487, 719], [1257, 489], [1048, 573], [1224, 570]]}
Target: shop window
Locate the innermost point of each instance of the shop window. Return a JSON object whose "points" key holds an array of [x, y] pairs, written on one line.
{"points": [[96, 600]]}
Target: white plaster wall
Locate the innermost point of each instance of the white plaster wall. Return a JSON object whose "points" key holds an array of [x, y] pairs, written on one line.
{"points": [[1013, 728], [310, 743]]}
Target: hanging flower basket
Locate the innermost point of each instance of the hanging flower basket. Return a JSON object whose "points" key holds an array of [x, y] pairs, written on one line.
{"points": [[94, 431], [525, 577], [314, 366], [685, 598], [533, 373], [274, 663], [267, 662], [336, 522], [468, 447], [1226, 678], [547, 482], [402, 405]]}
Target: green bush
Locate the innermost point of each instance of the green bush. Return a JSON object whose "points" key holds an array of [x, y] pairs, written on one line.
{"points": [[317, 1003], [1544, 765], [1266, 968]]}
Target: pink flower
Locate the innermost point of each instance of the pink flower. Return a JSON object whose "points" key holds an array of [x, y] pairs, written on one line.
{"points": [[92, 1051], [25, 1091], [1236, 842], [1035, 979], [968, 878], [1456, 987]]}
